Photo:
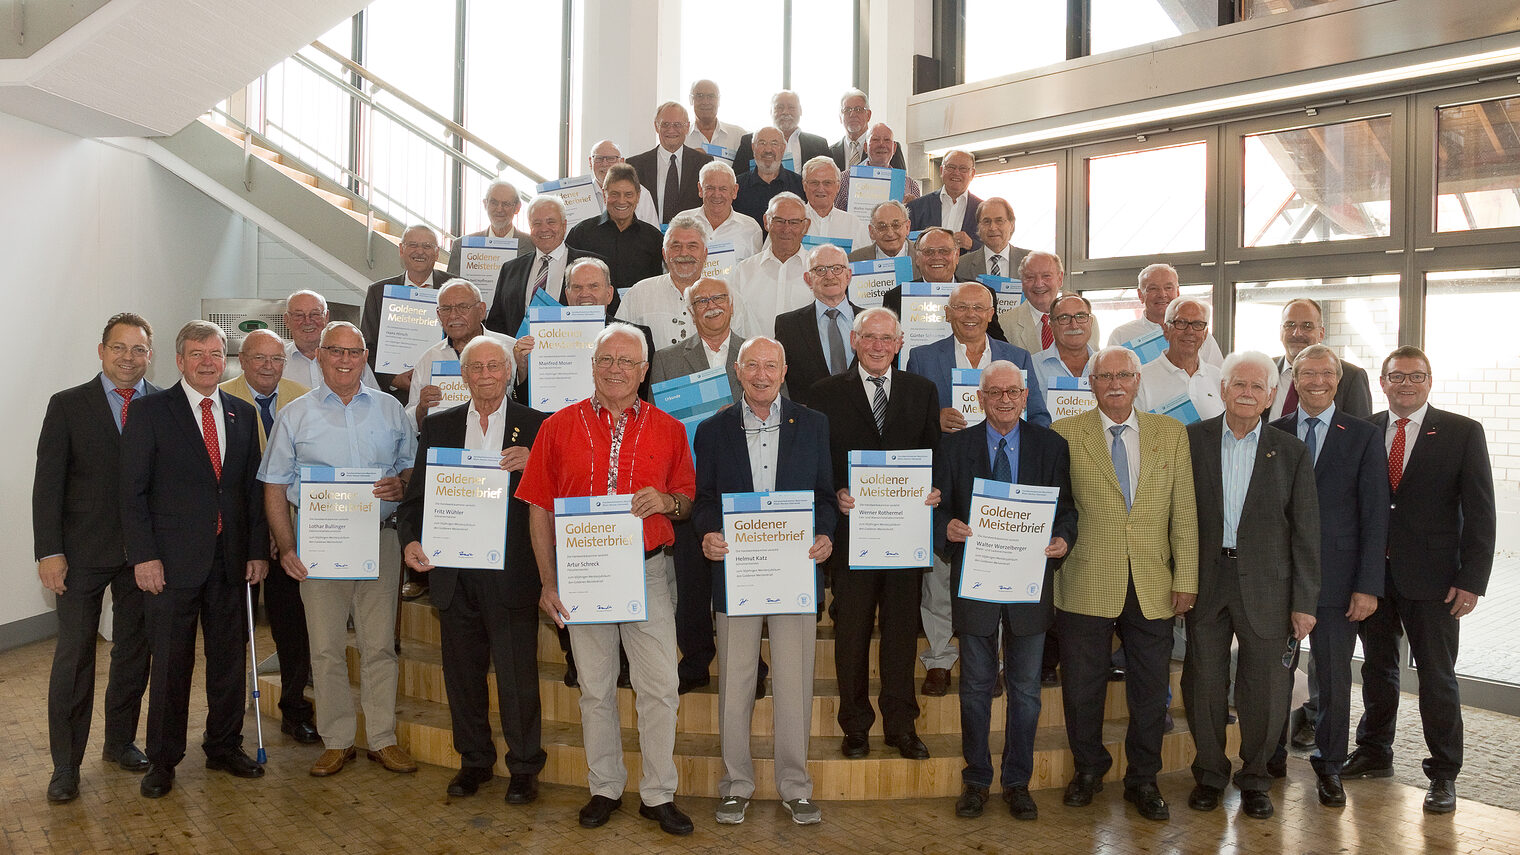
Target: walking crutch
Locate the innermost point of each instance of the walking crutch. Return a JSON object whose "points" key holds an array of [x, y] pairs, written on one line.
{"points": [[258, 714]]}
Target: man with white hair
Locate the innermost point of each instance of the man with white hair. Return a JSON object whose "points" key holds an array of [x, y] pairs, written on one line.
{"points": [[881, 151], [786, 112], [1157, 289], [853, 148], [771, 281], [1042, 275], [707, 129], [659, 302], [542, 269], [462, 314], [820, 181], [668, 171], [1258, 582], [306, 316], [954, 207], [768, 178], [603, 156], [501, 203], [1181, 370], [998, 256], [419, 260], [817, 335], [719, 188], [888, 229]]}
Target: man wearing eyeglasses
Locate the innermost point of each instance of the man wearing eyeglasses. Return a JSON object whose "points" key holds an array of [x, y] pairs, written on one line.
{"points": [[1441, 525], [881, 151], [1041, 275], [820, 180], [1303, 324], [419, 262], [604, 155], [659, 302], [707, 129], [1156, 290], [853, 148], [1131, 478], [669, 170], [816, 336], [662, 480], [1258, 583], [343, 423], [954, 207], [1070, 354], [306, 316], [771, 281], [263, 384], [1181, 370], [77, 540], [461, 313], [501, 203], [888, 229]]}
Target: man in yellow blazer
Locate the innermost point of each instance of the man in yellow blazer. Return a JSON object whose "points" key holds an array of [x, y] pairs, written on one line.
{"points": [[263, 385], [1133, 569]]}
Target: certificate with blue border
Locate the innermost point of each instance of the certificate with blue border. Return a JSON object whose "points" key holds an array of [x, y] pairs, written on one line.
{"points": [[767, 570], [408, 326], [559, 372], [338, 523], [599, 559], [1010, 525], [891, 528], [464, 509]]}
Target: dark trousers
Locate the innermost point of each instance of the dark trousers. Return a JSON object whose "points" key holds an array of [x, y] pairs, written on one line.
{"points": [[1262, 685], [171, 617], [1332, 643], [287, 623], [860, 596], [1022, 655], [694, 618], [1086, 641], [478, 630], [1432, 633], [71, 687]]}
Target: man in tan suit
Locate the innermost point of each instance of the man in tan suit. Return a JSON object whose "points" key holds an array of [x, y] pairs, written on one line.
{"points": [[1132, 479], [1029, 324], [263, 385]]}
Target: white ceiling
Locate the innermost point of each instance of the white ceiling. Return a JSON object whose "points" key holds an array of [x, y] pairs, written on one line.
{"points": [[149, 67]]}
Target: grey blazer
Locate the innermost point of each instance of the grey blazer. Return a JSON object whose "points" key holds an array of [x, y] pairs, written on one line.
{"points": [[686, 357]]}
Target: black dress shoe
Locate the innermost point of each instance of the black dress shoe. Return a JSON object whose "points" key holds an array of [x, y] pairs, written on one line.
{"points": [[1442, 796], [760, 688], [1000, 686], [235, 762], [1204, 797], [303, 732], [522, 789], [908, 745], [1116, 675], [1079, 793], [670, 818], [1049, 677], [1303, 730], [1331, 793], [572, 677], [596, 811], [1147, 799], [157, 783], [1256, 804], [64, 787], [1020, 804], [1363, 765], [128, 757], [856, 745], [971, 802], [468, 780], [688, 685]]}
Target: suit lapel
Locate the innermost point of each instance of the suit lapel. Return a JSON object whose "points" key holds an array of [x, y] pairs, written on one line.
{"points": [[1425, 448], [788, 439], [179, 413], [812, 344], [104, 418], [1096, 441], [696, 356], [741, 457], [1213, 476], [1265, 449]]}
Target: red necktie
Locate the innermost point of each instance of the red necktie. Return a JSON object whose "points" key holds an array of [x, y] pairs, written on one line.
{"points": [[1396, 456], [1047, 338], [126, 398], [213, 448], [1290, 404]]}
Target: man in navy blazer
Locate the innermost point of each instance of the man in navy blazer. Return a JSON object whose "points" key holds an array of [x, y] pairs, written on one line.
{"points": [[509, 304], [1037, 456], [1351, 476], [956, 171], [192, 513], [671, 125], [764, 443], [1441, 523]]}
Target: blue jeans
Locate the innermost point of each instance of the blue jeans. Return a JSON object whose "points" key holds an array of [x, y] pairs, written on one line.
{"points": [[979, 667]]}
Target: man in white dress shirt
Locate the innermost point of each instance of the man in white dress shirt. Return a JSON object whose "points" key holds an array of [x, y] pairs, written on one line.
{"points": [[603, 155], [462, 314], [770, 281], [997, 257], [659, 302], [1181, 368], [707, 129], [820, 180], [954, 206], [1158, 288], [719, 187], [501, 203], [306, 316]]}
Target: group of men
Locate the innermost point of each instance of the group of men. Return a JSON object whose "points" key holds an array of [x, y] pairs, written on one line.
{"points": [[1331, 522]]}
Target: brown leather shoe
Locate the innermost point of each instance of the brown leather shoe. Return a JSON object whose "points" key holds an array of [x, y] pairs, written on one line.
{"points": [[331, 762], [937, 682], [393, 758], [412, 590]]}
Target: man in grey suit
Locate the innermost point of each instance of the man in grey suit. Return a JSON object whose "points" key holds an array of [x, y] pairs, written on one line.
{"points": [[1303, 324], [889, 233], [501, 203], [1258, 582], [1029, 324], [998, 257]]}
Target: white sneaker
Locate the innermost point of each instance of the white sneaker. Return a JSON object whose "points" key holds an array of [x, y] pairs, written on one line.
{"points": [[803, 811], [731, 810]]}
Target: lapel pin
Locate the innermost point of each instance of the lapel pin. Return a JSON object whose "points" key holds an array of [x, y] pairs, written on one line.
{"points": [[1271, 454]]}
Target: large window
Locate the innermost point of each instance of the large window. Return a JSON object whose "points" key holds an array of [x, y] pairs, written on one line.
{"points": [[1147, 201], [1123, 23], [1478, 165], [1032, 193], [1361, 315], [1005, 36], [1329, 182]]}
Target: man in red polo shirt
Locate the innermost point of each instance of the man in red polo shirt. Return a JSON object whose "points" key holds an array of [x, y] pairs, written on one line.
{"points": [[607, 444]]}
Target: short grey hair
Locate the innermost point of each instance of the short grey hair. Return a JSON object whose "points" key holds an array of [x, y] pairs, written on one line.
{"points": [[621, 328], [1318, 351], [692, 288], [784, 196], [1129, 356], [419, 227], [1000, 365], [760, 339], [502, 182], [695, 83], [1071, 294], [455, 282], [1251, 358], [812, 256], [687, 220], [716, 166], [854, 93], [1176, 306], [1040, 253], [335, 326], [484, 341], [875, 312], [1148, 269], [198, 331], [822, 161], [890, 203], [552, 201], [306, 293], [667, 105], [588, 261]]}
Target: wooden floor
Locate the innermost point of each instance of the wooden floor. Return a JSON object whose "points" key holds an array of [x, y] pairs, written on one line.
{"points": [[366, 809]]}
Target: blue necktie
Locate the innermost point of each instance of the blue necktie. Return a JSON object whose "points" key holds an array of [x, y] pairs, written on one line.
{"points": [[1309, 427], [1121, 465], [266, 411], [1001, 471]]}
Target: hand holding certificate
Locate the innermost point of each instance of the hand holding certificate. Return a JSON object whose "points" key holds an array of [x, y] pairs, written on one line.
{"points": [[1005, 553], [465, 509], [890, 524], [599, 559], [767, 570], [338, 523]]}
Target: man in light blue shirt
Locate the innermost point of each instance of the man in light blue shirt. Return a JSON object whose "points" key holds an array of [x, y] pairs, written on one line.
{"points": [[1070, 356]]}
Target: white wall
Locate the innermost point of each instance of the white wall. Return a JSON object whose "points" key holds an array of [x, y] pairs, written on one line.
{"points": [[90, 230]]}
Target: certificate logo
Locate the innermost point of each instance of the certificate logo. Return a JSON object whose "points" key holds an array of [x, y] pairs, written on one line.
{"points": [[635, 607], [804, 600], [919, 554], [369, 566], [1033, 589], [493, 556]]}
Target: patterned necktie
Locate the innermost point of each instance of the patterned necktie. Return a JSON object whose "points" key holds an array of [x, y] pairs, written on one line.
{"points": [[1047, 338], [541, 281], [672, 190], [836, 342], [997, 266], [1121, 465], [1310, 426], [1396, 456], [1001, 471], [855, 152], [266, 411], [126, 398], [213, 447], [879, 403]]}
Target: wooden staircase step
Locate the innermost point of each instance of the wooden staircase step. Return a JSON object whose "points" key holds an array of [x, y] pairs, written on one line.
{"points": [[295, 174]]}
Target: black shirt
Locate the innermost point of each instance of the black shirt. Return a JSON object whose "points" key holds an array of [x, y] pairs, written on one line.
{"points": [[755, 195], [633, 253]]}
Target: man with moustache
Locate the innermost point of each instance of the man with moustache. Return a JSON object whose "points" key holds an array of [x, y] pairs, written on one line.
{"points": [[659, 301], [786, 112], [542, 269], [604, 155], [881, 151], [767, 179], [1041, 274], [1258, 582], [630, 246], [771, 281], [707, 129], [1181, 369], [1303, 324], [815, 335], [419, 260], [1157, 289], [501, 203], [1069, 356], [669, 170], [77, 539], [820, 180], [719, 188], [999, 257], [306, 316]]}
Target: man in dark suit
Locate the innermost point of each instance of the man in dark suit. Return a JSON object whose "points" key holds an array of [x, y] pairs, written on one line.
{"points": [[76, 534], [935, 257], [486, 617], [1029, 455], [501, 203], [815, 335], [544, 267], [419, 260], [762, 444], [192, 514], [909, 420], [1440, 553], [853, 148], [1303, 324], [669, 171], [786, 112], [1350, 474], [955, 171], [994, 225], [1258, 582]]}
